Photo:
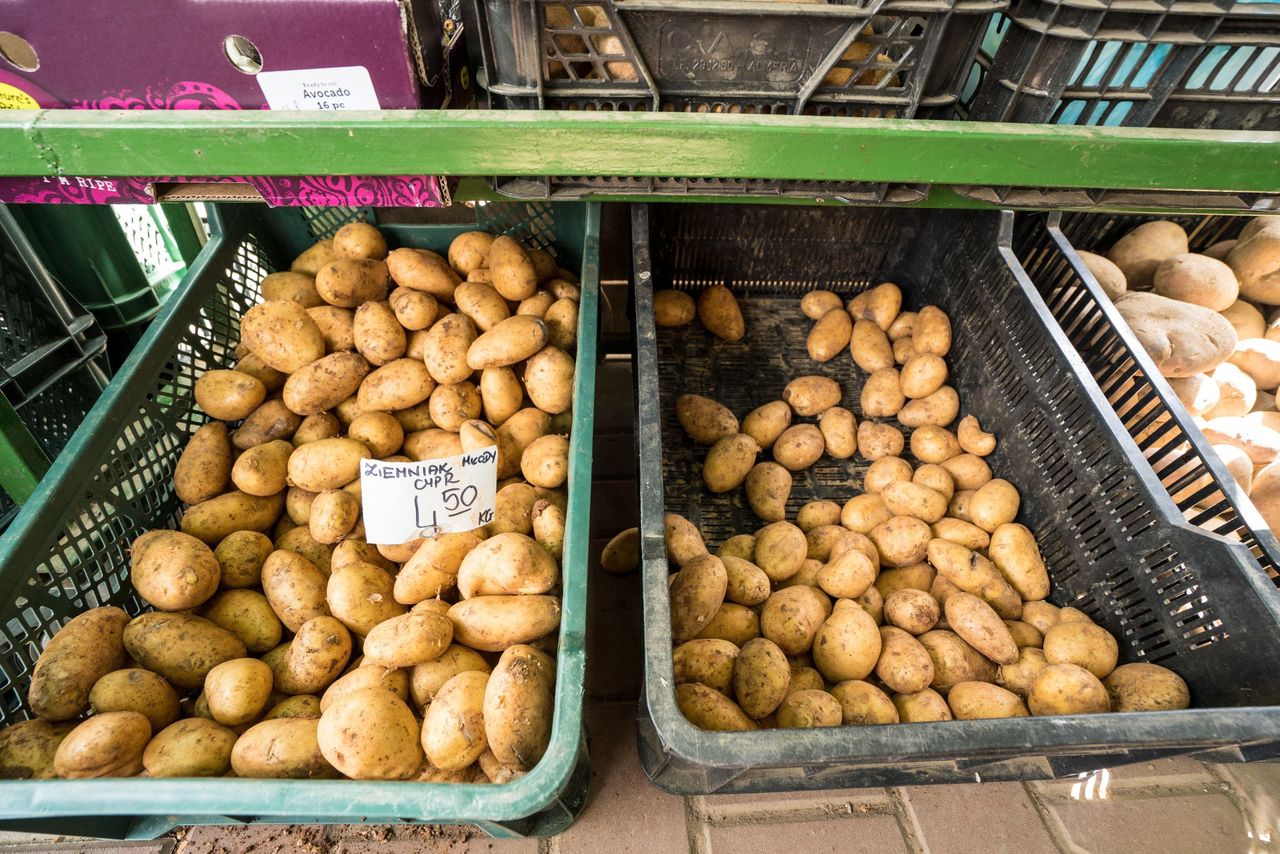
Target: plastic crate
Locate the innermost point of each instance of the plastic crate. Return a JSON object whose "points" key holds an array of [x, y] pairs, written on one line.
{"points": [[1118, 546], [1177, 451], [1140, 63], [734, 56], [67, 550]]}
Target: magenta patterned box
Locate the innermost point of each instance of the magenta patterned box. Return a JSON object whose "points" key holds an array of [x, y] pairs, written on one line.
{"points": [[232, 55]]}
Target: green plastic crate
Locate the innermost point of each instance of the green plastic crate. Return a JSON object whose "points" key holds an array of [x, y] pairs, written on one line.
{"points": [[68, 549]]}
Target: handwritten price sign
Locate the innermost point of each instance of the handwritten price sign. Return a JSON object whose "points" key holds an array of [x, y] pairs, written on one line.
{"points": [[404, 501]]}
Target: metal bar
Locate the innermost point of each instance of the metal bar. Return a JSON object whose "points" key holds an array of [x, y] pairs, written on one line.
{"points": [[483, 142]]}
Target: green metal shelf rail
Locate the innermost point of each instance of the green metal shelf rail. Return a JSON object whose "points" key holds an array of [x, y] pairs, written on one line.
{"points": [[483, 142]]}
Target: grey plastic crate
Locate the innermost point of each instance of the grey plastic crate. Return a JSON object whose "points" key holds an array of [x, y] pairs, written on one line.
{"points": [[1117, 544]]}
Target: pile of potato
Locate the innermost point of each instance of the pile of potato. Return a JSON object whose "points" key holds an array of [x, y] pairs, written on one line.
{"points": [[918, 599], [282, 644], [1211, 322]]}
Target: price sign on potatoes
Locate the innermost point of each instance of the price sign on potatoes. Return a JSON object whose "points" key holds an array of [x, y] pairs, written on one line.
{"points": [[404, 501]]}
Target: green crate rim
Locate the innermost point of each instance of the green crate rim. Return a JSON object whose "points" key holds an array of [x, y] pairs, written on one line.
{"points": [[207, 800]]}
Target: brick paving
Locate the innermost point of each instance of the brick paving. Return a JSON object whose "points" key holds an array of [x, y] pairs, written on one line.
{"points": [[1173, 806]]}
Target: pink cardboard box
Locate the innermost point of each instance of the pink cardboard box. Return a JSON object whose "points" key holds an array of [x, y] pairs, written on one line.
{"points": [[231, 55]]}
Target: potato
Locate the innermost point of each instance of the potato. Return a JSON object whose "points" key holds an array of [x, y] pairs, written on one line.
{"points": [[1146, 688], [780, 549], [270, 421], [863, 704], [1232, 391], [885, 471], [969, 472], [136, 690], [314, 658], [240, 556], [1140, 252], [704, 420], [673, 308], [261, 470], [863, 513], [359, 240], [27, 748], [709, 661], [935, 477], [508, 563], [761, 677], [295, 588], [84, 650], [811, 395], [933, 444], [881, 396], [734, 623], [349, 282], [932, 331], [916, 576], [408, 639], [903, 350], [237, 690], [979, 626], [975, 574], [914, 611], [792, 616], [954, 661], [961, 532], [768, 485], [815, 514], [766, 423], [204, 468], [995, 503], [879, 440], [904, 498], [926, 705], [336, 325], [360, 595], [708, 709], [904, 665], [1019, 676], [973, 439], [1107, 274], [511, 269], [316, 256], [326, 464], [507, 342], [517, 433], [323, 425], [248, 615], [622, 553], [901, 540], [513, 510], [1245, 318], [696, 593], [195, 747], [810, 708], [430, 676], [739, 545], [413, 310], [880, 304], [839, 432], [1014, 551], [366, 675], [562, 323], [396, 386], [446, 348], [228, 395], [799, 447], [422, 270], [106, 745], [545, 462], [283, 748], [1260, 359], [845, 646], [1260, 443], [1083, 644], [519, 701], [939, 408], [469, 250], [548, 380], [484, 305], [981, 700], [1066, 689], [683, 539], [493, 623], [816, 304], [729, 462], [173, 571], [847, 576], [922, 375], [1183, 339], [370, 734], [180, 647], [830, 335], [719, 313], [349, 551], [452, 404], [870, 347], [1254, 260], [1196, 279], [821, 542]]}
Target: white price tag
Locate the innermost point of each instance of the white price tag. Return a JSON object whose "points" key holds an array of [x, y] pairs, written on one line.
{"points": [[404, 501], [345, 88]]}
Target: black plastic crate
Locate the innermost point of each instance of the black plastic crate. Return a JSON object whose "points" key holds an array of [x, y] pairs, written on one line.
{"points": [[1154, 63], [1177, 451], [1118, 545], [735, 56]]}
